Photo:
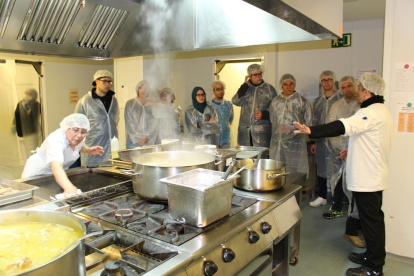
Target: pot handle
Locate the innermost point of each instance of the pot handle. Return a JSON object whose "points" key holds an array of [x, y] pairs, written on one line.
{"points": [[218, 163], [275, 175], [130, 172]]}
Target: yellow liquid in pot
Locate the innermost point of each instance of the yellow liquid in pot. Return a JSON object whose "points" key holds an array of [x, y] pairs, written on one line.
{"points": [[27, 245]]}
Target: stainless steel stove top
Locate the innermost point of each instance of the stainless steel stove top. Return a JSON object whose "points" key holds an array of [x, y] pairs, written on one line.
{"points": [[151, 218]]}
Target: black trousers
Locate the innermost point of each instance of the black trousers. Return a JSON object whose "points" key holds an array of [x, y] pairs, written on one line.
{"points": [[323, 188], [338, 196], [372, 222]]}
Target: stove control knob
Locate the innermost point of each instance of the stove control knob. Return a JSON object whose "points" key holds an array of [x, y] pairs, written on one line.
{"points": [[253, 237], [266, 227], [210, 268], [228, 255]]}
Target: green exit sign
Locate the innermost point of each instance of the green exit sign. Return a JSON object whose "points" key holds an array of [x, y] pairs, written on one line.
{"points": [[345, 41]]}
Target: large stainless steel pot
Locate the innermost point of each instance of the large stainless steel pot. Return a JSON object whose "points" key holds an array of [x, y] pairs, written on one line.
{"points": [[70, 263], [151, 167], [129, 154], [266, 175]]}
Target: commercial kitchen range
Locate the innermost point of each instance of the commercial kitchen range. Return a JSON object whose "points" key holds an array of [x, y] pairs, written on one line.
{"points": [[259, 237]]}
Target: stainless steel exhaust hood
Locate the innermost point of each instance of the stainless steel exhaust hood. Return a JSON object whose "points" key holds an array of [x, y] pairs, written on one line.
{"points": [[102, 29]]}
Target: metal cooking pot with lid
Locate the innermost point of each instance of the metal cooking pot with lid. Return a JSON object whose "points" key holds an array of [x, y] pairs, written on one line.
{"points": [[151, 167], [266, 175], [69, 263]]}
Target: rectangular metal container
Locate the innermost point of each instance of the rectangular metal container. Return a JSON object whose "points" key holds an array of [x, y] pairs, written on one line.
{"points": [[25, 191], [199, 197]]}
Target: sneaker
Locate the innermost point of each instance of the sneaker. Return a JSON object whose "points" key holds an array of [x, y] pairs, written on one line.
{"points": [[333, 214], [356, 241], [318, 202], [363, 271], [358, 258]]}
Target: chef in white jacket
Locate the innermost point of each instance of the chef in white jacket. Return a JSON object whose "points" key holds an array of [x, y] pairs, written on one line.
{"points": [[369, 131], [60, 150]]}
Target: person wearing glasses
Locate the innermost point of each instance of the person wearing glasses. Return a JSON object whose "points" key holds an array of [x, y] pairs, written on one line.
{"points": [[286, 108], [224, 110], [168, 116], [201, 119], [102, 110], [140, 126], [60, 150], [254, 97], [320, 147]]}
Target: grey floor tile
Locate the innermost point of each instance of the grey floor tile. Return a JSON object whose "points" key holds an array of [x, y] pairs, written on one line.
{"points": [[324, 251]]}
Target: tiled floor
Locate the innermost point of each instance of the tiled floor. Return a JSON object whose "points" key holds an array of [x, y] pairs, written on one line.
{"points": [[324, 251]]}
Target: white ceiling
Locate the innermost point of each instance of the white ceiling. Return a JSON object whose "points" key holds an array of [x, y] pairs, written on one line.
{"points": [[359, 10]]}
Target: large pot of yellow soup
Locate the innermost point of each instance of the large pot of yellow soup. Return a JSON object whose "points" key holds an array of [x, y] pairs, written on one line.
{"points": [[31, 240], [149, 168]]}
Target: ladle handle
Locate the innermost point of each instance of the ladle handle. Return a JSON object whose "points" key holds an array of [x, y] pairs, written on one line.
{"points": [[100, 232], [227, 173], [242, 168]]}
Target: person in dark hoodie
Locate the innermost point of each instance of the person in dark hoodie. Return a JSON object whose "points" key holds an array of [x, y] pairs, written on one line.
{"points": [[102, 110], [26, 121], [254, 97], [370, 132], [201, 119]]}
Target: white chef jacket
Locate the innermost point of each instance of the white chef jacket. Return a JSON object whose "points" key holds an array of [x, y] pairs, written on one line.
{"points": [[370, 131], [54, 148]]}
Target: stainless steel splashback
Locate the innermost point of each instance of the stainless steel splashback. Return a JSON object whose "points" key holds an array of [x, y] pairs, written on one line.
{"points": [[102, 29]]}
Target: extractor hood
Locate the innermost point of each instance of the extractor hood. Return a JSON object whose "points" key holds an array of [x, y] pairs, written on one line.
{"points": [[104, 29]]}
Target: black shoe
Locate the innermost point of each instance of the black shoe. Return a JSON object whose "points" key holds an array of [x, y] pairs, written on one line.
{"points": [[358, 258], [363, 271]]}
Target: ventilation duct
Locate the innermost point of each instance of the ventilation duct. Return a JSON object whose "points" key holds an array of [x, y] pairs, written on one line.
{"points": [[102, 29], [6, 7]]}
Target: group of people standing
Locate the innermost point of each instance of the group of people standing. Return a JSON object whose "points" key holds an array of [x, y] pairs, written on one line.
{"points": [[266, 120]]}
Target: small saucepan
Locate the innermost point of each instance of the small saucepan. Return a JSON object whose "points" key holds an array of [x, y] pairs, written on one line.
{"points": [[266, 175]]}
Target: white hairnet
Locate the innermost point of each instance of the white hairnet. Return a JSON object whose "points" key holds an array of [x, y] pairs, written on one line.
{"points": [[373, 82], [348, 79], [215, 82], [75, 120], [141, 83], [169, 91], [286, 77], [102, 74], [327, 73], [253, 67]]}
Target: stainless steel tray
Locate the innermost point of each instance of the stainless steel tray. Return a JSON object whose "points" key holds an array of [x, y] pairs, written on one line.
{"points": [[116, 162], [25, 191]]}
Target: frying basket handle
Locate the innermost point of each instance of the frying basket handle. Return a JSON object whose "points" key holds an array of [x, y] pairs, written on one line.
{"points": [[275, 175]]}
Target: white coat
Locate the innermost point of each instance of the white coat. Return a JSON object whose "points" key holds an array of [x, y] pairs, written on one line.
{"points": [[54, 148], [370, 131]]}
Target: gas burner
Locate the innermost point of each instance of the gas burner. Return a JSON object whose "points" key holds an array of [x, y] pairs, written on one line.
{"points": [[174, 233], [113, 268], [172, 228], [148, 207], [124, 213], [122, 216]]}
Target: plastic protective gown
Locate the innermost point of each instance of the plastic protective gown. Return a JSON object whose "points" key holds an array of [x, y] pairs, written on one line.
{"points": [[256, 98], [168, 121], [321, 107], [225, 115], [207, 132], [103, 126], [285, 146], [139, 123], [336, 166]]}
